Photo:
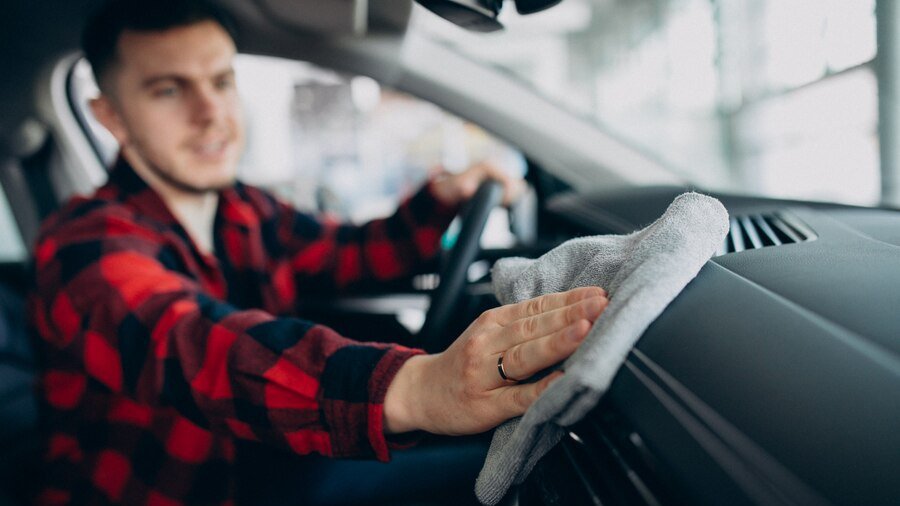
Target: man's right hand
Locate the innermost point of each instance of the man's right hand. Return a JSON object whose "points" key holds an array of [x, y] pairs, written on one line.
{"points": [[460, 391]]}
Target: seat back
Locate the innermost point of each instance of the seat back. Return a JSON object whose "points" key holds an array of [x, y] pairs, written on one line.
{"points": [[19, 443]]}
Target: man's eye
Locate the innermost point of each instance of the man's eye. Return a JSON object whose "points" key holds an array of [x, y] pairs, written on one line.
{"points": [[225, 83], [168, 91]]}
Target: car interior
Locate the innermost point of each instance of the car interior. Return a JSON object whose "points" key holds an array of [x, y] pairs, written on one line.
{"points": [[773, 378]]}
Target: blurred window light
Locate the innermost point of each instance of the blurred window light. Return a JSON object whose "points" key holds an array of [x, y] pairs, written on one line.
{"points": [[805, 39], [691, 42], [835, 167], [850, 33], [818, 143], [842, 103], [792, 32], [12, 246], [808, 129], [347, 145], [732, 94]]}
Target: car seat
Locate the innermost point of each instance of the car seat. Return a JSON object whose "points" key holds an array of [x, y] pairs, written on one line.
{"points": [[19, 442]]}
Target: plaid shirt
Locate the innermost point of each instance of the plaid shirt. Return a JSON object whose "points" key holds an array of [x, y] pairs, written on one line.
{"points": [[156, 356]]}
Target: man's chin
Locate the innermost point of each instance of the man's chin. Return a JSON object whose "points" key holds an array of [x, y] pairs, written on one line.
{"points": [[214, 186], [208, 177], [200, 187]]}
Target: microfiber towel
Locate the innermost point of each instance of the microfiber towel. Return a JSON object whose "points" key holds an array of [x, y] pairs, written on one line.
{"points": [[642, 272]]}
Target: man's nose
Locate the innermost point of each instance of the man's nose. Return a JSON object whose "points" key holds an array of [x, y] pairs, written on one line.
{"points": [[208, 106]]}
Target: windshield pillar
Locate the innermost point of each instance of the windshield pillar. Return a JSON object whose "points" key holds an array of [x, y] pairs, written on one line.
{"points": [[888, 71]]}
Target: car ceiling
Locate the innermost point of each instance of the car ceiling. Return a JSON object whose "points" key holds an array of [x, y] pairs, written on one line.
{"points": [[34, 35]]}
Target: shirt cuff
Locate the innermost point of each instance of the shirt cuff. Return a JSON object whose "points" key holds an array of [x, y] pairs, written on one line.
{"points": [[353, 386], [381, 379]]}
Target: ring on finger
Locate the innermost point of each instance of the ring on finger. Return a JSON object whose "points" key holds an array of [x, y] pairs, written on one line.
{"points": [[502, 371]]}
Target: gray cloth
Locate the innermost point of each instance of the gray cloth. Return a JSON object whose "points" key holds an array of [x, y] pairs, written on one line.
{"points": [[642, 272]]}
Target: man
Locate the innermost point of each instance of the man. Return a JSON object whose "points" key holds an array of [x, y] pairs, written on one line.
{"points": [[161, 301]]}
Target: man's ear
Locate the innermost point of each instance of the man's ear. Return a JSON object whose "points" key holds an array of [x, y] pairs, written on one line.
{"points": [[108, 115]]}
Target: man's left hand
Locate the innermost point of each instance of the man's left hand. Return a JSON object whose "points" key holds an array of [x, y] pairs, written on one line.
{"points": [[452, 189]]}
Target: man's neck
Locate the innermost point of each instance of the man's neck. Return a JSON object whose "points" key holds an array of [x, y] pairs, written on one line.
{"points": [[195, 211], [197, 215]]}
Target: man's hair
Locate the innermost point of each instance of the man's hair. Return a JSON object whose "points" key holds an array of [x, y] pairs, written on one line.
{"points": [[101, 35]]}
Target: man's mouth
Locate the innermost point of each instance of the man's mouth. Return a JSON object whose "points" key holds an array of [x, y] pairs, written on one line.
{"points": [[210, 148]]}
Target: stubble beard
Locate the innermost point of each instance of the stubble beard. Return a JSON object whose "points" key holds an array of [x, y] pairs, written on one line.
{"points": [[186, 187], [169, 178]]}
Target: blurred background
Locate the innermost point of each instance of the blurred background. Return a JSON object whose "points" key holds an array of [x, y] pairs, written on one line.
{"points": [[777, 97], [769, 97]]}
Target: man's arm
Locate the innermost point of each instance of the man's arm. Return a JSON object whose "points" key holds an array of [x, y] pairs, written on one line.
{"points": [[115, 317], [326, 256], [107, 302], [319, 255]]}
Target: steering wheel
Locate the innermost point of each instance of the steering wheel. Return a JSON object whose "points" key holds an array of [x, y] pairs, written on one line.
{"points": [[453, 273]]}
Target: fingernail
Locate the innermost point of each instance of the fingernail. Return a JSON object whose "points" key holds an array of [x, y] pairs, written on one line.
{"points": [[596, 305], [598, 292]]}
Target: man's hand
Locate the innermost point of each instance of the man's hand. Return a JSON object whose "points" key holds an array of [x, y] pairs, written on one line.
{"points": [[460, 391], [451, 189]]}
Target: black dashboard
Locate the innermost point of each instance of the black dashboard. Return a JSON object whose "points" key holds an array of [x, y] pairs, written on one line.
{"points": [[773, 378]]}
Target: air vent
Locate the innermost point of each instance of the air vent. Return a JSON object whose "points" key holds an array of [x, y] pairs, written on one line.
{"points": [[754, 231]]}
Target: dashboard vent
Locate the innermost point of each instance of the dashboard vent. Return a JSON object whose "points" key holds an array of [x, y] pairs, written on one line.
{"points": [[754, 231]]}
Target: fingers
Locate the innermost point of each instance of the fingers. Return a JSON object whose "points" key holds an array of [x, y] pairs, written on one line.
{"points": [[505, 315], [523, 360], [549, 322], [455, 188], [551, 330], [513, 187], [469, 180]]}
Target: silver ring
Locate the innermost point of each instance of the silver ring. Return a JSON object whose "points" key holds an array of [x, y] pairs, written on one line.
{"points": [[503, 372]]}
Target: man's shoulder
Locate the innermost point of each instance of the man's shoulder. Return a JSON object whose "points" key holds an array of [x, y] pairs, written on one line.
{"points": [[84, 213]]}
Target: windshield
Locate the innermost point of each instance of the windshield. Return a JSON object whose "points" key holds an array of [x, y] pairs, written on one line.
{"points": [[773, 97]]}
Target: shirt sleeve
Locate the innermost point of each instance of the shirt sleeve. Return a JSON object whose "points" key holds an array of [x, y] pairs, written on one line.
{"points": [[109, 303], [325, 256]]}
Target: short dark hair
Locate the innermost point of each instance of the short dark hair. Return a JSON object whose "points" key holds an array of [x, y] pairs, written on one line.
{"points": [[104, 28]]}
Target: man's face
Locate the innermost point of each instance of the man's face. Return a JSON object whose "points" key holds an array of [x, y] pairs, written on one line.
{"points": [[174, 108]]}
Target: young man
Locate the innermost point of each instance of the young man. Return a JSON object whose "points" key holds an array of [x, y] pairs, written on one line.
{"points": [[162, 301]]}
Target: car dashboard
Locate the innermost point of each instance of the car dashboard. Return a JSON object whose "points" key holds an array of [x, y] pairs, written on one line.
{"points": [[773, 378]]}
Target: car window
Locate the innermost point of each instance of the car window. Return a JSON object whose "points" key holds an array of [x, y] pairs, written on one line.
{"points": [[12, 246], [330, 142], [775, 97]]}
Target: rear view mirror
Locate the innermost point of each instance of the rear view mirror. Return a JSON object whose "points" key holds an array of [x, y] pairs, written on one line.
{"points": [[481, 15], [477, 15], [532, 6]]}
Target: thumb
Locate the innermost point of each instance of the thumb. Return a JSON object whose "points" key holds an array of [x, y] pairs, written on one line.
{"points": [[515, 400]]}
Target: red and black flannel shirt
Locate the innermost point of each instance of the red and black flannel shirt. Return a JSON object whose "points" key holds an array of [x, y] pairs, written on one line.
{"points": [[156, 356]]}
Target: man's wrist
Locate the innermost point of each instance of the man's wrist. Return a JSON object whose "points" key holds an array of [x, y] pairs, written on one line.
{"points": [[400, 412]]}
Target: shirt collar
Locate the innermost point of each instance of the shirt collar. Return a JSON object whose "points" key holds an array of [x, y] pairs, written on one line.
{"points": [[138, 194], [134, 191]]}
